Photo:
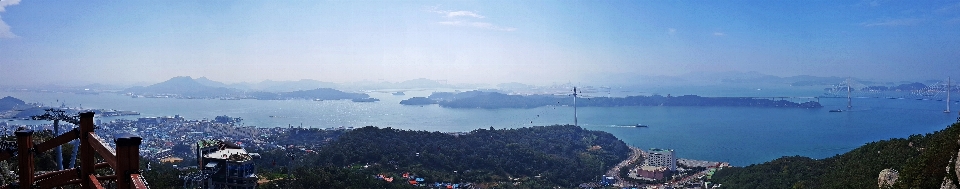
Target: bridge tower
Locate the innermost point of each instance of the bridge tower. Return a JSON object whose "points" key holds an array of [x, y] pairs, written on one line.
{"points": [[849, 99], [575, 106]]}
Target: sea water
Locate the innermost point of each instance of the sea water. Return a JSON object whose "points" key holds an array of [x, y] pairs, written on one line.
{"points": [[739, 135]]}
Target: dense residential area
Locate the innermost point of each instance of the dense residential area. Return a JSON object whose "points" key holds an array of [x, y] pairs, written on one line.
{"points": [[563, 156]]}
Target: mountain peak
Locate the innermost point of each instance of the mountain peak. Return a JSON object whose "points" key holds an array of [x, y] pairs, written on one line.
{"points": [[181, 78], [186, 86], [210, 83]]}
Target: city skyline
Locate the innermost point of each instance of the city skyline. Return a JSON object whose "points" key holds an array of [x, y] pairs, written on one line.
{"points": [[542, 42]]}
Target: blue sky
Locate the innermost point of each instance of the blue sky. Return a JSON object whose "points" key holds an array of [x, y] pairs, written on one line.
{"points": [[123, 42]]}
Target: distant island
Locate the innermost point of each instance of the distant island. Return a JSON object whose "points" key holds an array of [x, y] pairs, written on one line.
{"points": [[492, 100], [902, 87], [14, 108], [10, 103], [189, 88], [315, 94]]}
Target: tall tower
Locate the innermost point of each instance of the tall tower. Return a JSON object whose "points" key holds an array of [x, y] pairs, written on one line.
{"points": [[849, 100], [948, 96], [575, 106]]}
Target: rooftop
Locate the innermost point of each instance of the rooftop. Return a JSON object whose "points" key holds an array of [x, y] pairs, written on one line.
{"points": [[238, 155], [658, 150]]}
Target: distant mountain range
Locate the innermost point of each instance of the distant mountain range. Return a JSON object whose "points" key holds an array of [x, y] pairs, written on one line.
{"points": [[187, 87], [314, 94], [730, 77], [179, 84], [193, 86], [270, 85], [409, 84], [308, 84]]}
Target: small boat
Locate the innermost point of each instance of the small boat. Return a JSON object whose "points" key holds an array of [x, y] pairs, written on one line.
{"points": [[837, 110], [637, 125], [318, 100]]}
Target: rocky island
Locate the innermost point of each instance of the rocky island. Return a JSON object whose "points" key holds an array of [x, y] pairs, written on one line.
{"points": [[491, 100]]}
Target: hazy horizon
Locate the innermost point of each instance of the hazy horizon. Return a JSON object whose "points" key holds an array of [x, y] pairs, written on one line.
{"points": [[733, 79], [540, 42]]}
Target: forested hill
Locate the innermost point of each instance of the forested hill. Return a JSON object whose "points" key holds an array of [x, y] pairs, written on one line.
{"points": [[561, 155], [921, 161], [10, 103]]}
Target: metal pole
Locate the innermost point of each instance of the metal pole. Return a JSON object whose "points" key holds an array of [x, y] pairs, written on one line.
{"points": [[59, 152]]}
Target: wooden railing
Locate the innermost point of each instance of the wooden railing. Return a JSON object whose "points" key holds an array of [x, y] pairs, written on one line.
{"points": [[125, 160]]}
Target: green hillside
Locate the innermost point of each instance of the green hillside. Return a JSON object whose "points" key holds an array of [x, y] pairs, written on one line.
{"points": [[920, 159], [535, 157]]}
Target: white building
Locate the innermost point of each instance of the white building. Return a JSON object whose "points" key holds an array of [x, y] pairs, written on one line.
{"points": [[661, 158], [229, 165]]}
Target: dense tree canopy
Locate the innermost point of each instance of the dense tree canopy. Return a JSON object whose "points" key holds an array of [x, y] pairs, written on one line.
{"points": [[920, 159], [562, 154], [536, 157]]}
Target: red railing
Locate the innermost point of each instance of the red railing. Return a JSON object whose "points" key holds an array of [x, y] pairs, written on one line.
{"points": [[125, 160]]}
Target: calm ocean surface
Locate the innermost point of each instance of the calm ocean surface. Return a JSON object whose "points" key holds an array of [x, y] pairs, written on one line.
{"points": [[739, 135]]}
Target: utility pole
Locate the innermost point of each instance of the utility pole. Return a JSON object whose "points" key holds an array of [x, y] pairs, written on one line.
{"points": [[56, 115]]}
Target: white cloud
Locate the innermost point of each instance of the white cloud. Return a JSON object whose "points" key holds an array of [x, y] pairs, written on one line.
{"points": [[451, 14], [482, 25], [4, 28], [466, 19], [463, 13], [5, 31], [891, 23], [719, 34], [5, 3]]}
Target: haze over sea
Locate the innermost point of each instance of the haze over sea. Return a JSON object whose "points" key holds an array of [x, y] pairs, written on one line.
{"points": [[739, 135]]}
